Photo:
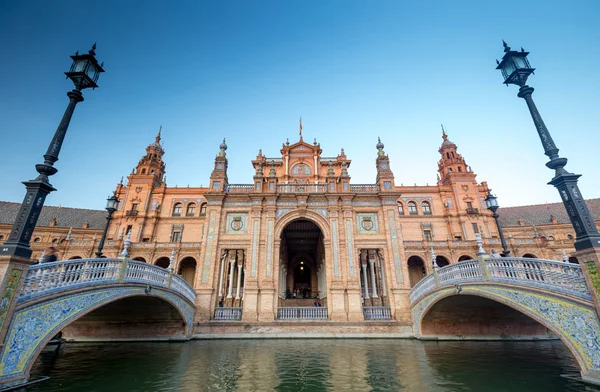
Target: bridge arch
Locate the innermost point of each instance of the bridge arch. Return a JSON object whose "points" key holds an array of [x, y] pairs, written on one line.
{"points": [[38, 319], [572, 320]]}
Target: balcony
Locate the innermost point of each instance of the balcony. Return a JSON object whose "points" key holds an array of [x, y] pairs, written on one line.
{"points": [[364, 188], [239, 188], [472, 210], [302, 188], [301, 313], [228, 314], [131, 212], [377, 312]]}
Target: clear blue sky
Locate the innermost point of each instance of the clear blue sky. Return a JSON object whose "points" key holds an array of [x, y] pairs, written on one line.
{"points": [[247, 70]]}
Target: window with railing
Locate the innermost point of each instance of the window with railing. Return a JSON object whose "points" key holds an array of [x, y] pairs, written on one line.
{"points": [[177, 209], [426, 208], [412, 208], [400, 209], [176, 236], [191, 209]]}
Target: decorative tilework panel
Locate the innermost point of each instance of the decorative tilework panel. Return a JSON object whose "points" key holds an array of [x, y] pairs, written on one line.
{"points": [[592, 272], [269, 246], [208, 253], [395, 250], [9, 293], [350, 246], [236, 223], [255, 235], [334, 240], [367, 223]]}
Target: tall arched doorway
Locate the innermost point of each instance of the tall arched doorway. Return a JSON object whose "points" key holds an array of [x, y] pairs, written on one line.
{"points": [[302, 264], [187, 270], [416, 270], [162, 262]]}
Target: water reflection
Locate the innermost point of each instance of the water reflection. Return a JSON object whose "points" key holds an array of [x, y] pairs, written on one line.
{"points": [[310, 365]]}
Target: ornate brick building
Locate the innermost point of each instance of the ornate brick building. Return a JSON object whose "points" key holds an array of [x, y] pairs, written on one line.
{"points": [[302, 230]]}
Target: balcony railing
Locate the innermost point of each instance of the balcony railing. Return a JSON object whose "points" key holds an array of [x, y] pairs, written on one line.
{"points": [[228, 314], [302, 313], [364, 188], [239, 188], [377, 312], [131, 212], [302, 188], [472, 210]]}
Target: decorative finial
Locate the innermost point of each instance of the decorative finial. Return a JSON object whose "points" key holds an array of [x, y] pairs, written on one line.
{"points": [[121, 182], [300, 128], [344, 169], [379, 147], [93, 50], [434, 259], [506, 47], [76, 53], [43, 256], [479, 241], [272, 172], [126, 243], [68, 237], [444, 136], [171, 260], [522, 50], [287, 141], [222, 147], [158, 136], [497, 62], [330, 171], [315, 142], [259, 171]]}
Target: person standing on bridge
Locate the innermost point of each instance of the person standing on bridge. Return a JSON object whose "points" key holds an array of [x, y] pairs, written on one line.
{"points": [[50, 255]]}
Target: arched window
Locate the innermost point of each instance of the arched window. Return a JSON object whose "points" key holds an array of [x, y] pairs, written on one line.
{"points": [[426, 208], [570, 236], [143, 171], [36, 239], [448, 155], [203, 209], [400, 209], [412, 208], [177, 209], [54, 241], [191, 209]]}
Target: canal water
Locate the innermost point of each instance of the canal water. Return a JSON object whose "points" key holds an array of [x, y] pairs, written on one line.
{"points": [[310, 365]]}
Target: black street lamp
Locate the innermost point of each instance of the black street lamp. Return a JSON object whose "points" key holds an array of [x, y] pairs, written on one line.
{"points": [[492, 204], [516, 69], [111, 207], [84, 73]]}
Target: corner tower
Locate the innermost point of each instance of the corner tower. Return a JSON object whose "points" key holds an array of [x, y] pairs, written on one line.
{"points": [[151, 166], [452, 165]]}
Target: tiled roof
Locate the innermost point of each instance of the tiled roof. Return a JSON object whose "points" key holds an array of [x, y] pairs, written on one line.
{"points": [[541, 214], [65, 217]]}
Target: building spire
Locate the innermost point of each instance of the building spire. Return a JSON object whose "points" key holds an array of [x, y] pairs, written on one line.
{"points": [[158, 136], [444, 136], [300, 128]]}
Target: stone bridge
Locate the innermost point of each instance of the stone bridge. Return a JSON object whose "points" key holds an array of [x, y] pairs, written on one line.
{"points": [[507, 298], [99, 299]]}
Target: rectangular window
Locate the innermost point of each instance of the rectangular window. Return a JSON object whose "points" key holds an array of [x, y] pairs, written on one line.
{"points": [[176, 236], [129, 227], [427, 235], [469, 205], [475, 228], [457, 238], [134, 207], [146, 239]]}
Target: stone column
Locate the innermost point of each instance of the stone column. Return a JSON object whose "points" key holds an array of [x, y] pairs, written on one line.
{"points": [[221, 275], [239, 282], [231, 273], [364, 270], [373, 281]]}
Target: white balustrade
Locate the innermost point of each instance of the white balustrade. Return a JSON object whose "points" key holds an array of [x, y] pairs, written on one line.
{"points": [[550, 275], [228, 314], [302, 313], [377, 312], [47, 278]]}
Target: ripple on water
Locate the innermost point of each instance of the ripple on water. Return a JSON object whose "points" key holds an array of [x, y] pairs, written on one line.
{"points": [[310, 365]]}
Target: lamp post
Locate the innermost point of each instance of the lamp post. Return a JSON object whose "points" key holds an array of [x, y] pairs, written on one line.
{"points": [[111, 207], [84, 73], [492, 204], [516, 69]]}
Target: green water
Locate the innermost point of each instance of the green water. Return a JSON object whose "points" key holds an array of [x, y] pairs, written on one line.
{"points": [[310, 365]]}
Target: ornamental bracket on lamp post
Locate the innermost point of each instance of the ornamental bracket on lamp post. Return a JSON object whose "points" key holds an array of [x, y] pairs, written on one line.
{"points": [[84, 73]]}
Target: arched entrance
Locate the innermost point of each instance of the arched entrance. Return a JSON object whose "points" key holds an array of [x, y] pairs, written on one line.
{"points": [[416, 270], [302, 264], [441, 261], [465, 258], [187, 270], [162, 262], [139, 259], [529, 256]]}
